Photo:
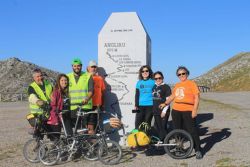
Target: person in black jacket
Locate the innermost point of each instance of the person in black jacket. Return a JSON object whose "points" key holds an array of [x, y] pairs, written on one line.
{"points": [[161, 92]]}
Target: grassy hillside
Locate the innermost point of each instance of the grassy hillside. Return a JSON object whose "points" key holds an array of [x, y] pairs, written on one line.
{"points": [[232, 75]]}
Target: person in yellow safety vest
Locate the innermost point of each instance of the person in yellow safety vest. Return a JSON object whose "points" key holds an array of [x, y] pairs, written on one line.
{"points": [[81, 87], [39, 92]]}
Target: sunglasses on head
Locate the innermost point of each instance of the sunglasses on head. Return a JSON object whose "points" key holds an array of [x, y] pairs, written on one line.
{"points": [[181, 74], [93, 66], [160, 78], [144, 71]]}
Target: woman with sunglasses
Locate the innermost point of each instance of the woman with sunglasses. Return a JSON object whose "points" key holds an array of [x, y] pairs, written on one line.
{"points": [[143, 96], [186, 100], [161, 92]]}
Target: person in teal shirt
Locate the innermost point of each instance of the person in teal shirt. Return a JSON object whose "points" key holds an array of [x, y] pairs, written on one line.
{"points": [[143, 96]]}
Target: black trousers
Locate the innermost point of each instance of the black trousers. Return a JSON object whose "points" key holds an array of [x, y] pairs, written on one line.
{"points": [[184, 120], [145, 115], [161, 125]]}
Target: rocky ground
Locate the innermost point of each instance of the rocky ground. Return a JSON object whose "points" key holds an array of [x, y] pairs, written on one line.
{"points": [[224, 128]]}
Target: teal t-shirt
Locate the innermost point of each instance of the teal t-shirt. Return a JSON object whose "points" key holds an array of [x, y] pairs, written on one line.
{"points": [[145, 88]]}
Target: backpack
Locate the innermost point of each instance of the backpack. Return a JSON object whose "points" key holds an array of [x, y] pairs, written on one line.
{"points": [[138, 139]]}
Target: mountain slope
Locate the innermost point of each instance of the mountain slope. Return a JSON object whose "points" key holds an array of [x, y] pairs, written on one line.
{"points": [[16, 75], [232, 75]]}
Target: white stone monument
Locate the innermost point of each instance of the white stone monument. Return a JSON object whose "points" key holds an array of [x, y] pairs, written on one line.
{"points": [[123, 47]]}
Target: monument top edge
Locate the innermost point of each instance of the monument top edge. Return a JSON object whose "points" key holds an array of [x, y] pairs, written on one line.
{"points": [[123, 22]]}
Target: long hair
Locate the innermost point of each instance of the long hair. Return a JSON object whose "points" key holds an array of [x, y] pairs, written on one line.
{"points": [[149, 70], [57, 86]]}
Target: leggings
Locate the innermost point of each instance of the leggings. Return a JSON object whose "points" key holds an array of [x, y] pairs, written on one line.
{"points": [[145, 115], [184, 120]]}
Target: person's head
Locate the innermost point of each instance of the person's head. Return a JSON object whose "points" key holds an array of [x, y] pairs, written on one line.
{"points": [[92, 67], [182, 73], [38, 76], [158, 77], [145, 72], [77, 66], [62, 83]]}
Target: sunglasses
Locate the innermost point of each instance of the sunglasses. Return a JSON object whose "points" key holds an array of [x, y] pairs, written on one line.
{"points": [[93, 66], [160, 78], [144, 71], [181, 74]]}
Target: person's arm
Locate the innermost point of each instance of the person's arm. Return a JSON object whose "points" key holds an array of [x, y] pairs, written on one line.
{"points": [[90, 90], [137, 95], [33, 97], [196, 104], [103, 93], [167, 93], [167, 102]]}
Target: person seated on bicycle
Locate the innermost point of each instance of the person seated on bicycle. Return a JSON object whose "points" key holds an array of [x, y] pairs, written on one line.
{"points": [[81, 86], [39, 92], [60, 106], [98, 96], [161, 92]]}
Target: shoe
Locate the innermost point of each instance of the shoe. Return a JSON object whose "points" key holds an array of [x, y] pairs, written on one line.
{"points": [[198, 155]]}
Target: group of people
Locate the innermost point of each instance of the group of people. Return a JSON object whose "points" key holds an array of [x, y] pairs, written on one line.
{"points": [[153, 97], [76, 88]]}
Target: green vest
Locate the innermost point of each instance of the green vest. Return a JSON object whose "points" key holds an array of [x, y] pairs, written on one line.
{"points": [[35, 109], [78, 91]]}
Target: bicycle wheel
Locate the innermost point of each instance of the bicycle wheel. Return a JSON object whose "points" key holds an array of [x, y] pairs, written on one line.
{"points": [[110, 152], [90, 150], [180, 144], [30, 150], [49, 153]]}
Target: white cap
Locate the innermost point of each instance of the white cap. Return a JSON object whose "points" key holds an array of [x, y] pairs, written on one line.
{"points": [[92, 63]]}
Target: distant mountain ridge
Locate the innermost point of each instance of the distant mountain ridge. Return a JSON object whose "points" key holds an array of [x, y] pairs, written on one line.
{"points": [[232, 75], [16, 75]]}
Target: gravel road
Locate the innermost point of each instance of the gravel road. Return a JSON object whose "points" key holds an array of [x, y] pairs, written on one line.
{"points": [[224, 128]]}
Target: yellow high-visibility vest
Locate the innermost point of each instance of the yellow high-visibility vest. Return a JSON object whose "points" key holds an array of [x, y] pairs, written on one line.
{"points": [[35, 109], [78, 91]]}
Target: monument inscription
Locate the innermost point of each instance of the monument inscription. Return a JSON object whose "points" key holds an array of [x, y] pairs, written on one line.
{"points": [[123, 47]]}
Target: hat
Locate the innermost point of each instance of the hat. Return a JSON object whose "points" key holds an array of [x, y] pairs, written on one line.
{"points": [[92, 63], [76, 61]]}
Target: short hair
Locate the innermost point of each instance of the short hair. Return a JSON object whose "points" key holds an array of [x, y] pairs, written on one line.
{"points": [[36, 70], [159, 73], [149, 70], [182, 68]]}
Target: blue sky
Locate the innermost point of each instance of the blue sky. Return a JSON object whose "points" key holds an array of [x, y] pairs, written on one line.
{"points": [[199, 34]]}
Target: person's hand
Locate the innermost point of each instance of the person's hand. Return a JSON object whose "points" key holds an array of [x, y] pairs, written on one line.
{"points": [[115, 122], [162, 105], [84, 101], [163, 114], [194, 113], [136, 108], [40, 103]]}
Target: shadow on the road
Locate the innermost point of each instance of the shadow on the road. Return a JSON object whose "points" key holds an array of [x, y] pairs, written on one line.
{"points": [[214, 137], [127, 156], [211, 137], [203, 117]]}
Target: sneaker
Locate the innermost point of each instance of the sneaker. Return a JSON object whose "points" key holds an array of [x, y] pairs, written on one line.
{"points": [[198, 155]]}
